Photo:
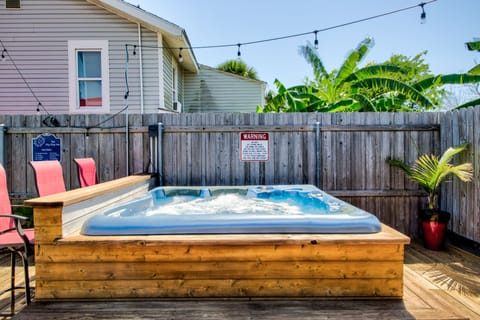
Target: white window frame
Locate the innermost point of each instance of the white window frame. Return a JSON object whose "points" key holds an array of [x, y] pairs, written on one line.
{"points": [[88, 45]]}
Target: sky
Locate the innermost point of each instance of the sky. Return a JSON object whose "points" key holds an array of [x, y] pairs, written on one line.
{"points": [[449, 24]]}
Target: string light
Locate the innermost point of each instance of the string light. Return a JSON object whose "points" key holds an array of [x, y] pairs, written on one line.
{"points": [[4, 54], [238, 45], [134, 49], [180, 57], [423, 15]]}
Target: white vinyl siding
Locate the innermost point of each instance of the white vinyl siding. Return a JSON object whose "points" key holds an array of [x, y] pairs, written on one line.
{"points": [[37, 36], [167, 78], [181, 86], [172, 93], [151, 94], [212, 90]]}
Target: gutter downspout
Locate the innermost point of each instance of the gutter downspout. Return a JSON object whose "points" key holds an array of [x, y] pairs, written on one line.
{"points": [[140, 56], [318, 145], [2, 144]]}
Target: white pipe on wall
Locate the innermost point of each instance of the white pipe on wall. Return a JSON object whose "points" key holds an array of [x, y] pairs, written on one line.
{"points": [[140, 55]]}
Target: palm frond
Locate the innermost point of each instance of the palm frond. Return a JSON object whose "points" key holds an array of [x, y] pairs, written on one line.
{"points": [[429, 171], [395, 162]]}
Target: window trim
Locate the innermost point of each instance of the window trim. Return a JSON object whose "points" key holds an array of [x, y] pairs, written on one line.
{"points": [[88, 45]]}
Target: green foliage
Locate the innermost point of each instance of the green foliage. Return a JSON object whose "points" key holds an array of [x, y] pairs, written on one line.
{"points": [[413, 68], [475, 70], [473, 45], [354, 58], [397, 85], [441, 80], [472, 103], [430, 172], [238, 67]]}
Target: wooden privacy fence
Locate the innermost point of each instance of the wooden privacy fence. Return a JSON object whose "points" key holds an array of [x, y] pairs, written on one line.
{"points": [[344, 154]]}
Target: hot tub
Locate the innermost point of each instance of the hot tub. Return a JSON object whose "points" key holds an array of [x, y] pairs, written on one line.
{"points": [[70, 265], [283, 209]]}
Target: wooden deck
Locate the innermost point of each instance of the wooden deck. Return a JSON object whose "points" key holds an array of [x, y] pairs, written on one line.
{"points": [[437, 285]]}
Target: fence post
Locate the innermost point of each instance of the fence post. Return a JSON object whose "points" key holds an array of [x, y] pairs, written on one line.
{"points": [[317, 153], [2, 144], [160, 154]]}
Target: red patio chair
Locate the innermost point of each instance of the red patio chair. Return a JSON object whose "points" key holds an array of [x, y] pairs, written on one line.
{"points": [[48, 177], [15, 240], [87, 171]]}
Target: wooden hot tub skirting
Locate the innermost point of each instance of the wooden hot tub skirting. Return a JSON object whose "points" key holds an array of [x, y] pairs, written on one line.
{"points": [[73, 266]]}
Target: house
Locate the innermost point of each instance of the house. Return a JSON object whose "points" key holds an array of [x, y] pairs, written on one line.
{"points": [[94, 56], [213, 90]]}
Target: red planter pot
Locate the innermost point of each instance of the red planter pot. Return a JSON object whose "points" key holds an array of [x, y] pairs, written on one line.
{"points": [[434, 226], [434, 234]]}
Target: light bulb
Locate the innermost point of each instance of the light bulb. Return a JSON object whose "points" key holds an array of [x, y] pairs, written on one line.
{"points": [[423, 15], [180, 57]]}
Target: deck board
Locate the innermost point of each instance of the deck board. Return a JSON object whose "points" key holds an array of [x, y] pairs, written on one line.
{"points": [[437, 285]]}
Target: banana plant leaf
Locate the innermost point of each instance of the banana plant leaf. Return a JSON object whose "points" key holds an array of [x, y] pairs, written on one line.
{"points": [[372, 71], [472, 103], [475, 70], [353, 59], [365, 104], [310, 54], [391, 85], [473, 45], [345, 105], [440, 80]]}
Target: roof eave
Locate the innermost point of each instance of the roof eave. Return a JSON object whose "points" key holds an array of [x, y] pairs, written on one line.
{"points": [[175, 37]]}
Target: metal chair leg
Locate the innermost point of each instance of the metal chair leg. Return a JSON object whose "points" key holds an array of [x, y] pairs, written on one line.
{"points": [[12, 282], [27, 278], [13, 287]]}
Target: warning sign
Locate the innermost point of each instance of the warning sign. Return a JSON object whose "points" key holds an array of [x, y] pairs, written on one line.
{"points": [[254, 146]]}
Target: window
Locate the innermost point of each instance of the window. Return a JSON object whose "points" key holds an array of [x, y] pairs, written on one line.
{"points": [[13, 4], [88, 76]]}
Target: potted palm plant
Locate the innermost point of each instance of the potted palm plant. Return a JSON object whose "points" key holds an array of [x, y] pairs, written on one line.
{"points": [[430, 172]]}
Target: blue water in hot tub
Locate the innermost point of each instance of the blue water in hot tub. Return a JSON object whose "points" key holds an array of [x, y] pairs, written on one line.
{"points": [[237, 210]]}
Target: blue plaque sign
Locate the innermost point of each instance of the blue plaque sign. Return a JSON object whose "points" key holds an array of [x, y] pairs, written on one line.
{"points": [[46, 147]]}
